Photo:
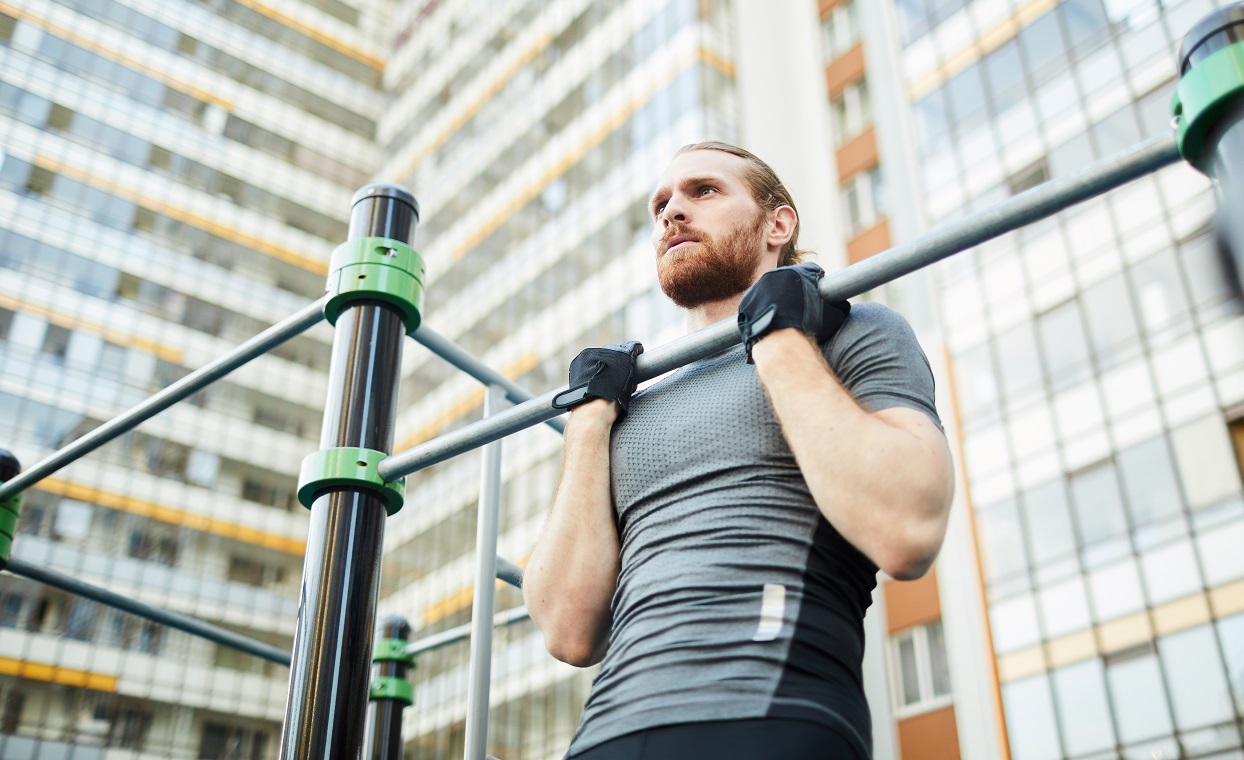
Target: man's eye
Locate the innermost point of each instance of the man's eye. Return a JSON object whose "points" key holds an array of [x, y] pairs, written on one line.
{"points": [[658, 208], [707, 189]]}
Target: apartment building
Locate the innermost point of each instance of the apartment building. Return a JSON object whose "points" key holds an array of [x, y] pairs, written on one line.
{"points": [[173, 177]]}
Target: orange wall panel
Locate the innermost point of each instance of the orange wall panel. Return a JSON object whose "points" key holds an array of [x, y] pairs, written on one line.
{"points": [[929, 736], [909, 603], [825, 6], [871, 241], [857, 155], [846, 69]]}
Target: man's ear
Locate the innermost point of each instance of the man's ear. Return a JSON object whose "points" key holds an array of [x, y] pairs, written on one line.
{"points": [[781, 226]]}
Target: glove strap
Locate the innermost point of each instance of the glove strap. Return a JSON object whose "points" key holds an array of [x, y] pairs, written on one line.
{"points": [[569, 398]]}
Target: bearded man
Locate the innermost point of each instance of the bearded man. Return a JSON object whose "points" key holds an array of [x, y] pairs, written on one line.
{"points": [[715, 537]]}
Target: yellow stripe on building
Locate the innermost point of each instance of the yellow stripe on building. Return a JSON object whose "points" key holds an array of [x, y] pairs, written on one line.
{"points": [[117, 56], [456, 602], [68, 322], [37, 671], [285, 19], [171, 516], [985, 44], [177, 213], [471, 108], [573, 156], [465, 404]]}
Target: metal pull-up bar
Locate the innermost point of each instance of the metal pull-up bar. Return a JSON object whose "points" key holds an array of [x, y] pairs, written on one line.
{"points": [[1030, 206]]}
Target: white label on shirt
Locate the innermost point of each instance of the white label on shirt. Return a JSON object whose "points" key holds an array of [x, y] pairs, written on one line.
{"points": [[772, 610]]}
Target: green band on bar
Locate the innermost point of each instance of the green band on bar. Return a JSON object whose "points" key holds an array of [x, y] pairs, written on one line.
{"points": [[1204, 93], [10, 511], [388, 687], [376, 269], [349, 467], [392, 650]]}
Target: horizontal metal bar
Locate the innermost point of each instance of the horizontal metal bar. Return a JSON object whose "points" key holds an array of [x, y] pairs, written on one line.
{"points": [[509, 572], [309, 316], [473, 366], [1030, 206], [463, 632], [165, 617]]}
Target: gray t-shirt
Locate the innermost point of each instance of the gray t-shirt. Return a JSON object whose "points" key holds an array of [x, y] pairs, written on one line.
{"points": [[736, 598]]}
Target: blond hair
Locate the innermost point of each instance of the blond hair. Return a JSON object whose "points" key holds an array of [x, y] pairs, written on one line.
{"points": [[766, 189]]}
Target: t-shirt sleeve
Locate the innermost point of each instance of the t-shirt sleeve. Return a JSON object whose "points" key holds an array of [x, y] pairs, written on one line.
{"points": [[877, 358]]}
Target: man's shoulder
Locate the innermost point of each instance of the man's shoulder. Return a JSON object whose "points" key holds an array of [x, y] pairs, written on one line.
{"points": [[871, 322]]}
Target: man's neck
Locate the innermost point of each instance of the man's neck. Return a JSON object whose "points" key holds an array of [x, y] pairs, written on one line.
{"points": [[706, 314]]}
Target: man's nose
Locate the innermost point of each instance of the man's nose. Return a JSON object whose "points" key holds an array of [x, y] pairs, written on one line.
{"points": [[674, 211]]}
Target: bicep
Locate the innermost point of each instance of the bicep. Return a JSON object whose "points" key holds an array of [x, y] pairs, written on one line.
{"points": [[932, 447]]}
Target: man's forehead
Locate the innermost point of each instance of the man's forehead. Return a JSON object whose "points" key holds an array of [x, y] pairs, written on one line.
{"points": [[700, 163]]}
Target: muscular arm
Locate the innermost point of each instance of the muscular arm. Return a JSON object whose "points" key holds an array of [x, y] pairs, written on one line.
{"points": [[573, 571], [883, 479]]}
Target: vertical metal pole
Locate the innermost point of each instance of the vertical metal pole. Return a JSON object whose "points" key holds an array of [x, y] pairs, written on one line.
{"points": [[485, 589], [384, 714], [331, 667]]}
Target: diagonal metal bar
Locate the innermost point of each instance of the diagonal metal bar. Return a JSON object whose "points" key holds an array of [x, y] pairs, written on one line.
{"points": [[462, 632], [176, 620], [309, 316], [1030, 206], [473, 366]]}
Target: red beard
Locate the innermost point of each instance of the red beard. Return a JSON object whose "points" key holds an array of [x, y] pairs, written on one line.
{"points": [[709, 270]]}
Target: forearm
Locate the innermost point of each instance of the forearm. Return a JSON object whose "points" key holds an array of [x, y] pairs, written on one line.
{"points": [[571, 575], [885, 488]]}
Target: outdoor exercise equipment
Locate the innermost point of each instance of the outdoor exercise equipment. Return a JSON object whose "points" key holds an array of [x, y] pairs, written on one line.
{"points": [[352, 484]]}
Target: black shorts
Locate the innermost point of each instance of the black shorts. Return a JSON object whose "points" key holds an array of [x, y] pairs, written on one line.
{"points": [[758, 739]]}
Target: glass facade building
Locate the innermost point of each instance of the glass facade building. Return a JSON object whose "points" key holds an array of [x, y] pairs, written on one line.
{"points": [[532, 143], [1097, 368], [173, 177]]}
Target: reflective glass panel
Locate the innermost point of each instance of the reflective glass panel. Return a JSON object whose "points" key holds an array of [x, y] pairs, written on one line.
{"points": [[1139, 699], [1116, 590], [1002, 540], [1043, 46], [1004, 75], [1083, 710], [1064, 345], [1098, 505], [1170, 572], [1064, 608], [1194, 674], [1030, 722], [1149, 481], [1159, 292], [1231, 634], [1049, 521], [1112, 326], [1016, 350]]}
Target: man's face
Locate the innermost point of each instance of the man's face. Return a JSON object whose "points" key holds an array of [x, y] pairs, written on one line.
{"points": [[708, 232]]}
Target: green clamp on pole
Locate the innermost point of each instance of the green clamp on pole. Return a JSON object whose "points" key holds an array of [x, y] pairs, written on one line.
{"points": [[392, 650], [10, 508], [1206, 92], [376, 269], [394, 688], [348, 467]]}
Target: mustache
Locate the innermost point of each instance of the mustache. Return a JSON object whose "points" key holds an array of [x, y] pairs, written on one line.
{"points": [[675, 229]]}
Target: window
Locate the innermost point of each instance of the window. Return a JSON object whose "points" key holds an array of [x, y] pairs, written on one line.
{"points": [[840, 30], [918, 668], [852, 111], [864, 197], [222, 742]]}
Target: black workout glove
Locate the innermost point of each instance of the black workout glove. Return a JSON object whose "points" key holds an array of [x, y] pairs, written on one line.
{"points": [[604, 372], [787, 297]]}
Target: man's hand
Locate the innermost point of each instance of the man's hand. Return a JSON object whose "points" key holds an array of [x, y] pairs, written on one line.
{"points": [[605, 373], [788, 297]]}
